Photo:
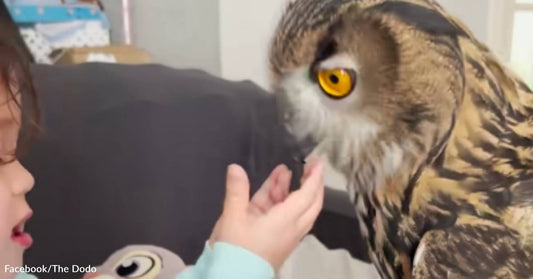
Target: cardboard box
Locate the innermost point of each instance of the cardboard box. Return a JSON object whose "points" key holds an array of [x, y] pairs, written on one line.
{"points": [[109, 54]]}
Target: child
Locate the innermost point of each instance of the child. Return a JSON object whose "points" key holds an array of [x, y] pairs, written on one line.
{"points": [[15, 180], [251, 239]]}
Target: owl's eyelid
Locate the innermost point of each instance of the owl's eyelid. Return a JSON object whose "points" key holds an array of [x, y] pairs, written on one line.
{"points": [[338, 61]]}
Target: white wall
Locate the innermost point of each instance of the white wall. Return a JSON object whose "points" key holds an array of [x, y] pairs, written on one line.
{"points": [[246, 27], [177, 33], [113, 10], [474, 13]]}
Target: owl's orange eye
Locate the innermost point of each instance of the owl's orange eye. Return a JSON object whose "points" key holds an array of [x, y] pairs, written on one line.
{"points": [[337, 83]]}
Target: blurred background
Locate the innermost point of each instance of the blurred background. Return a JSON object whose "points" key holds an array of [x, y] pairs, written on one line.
{"points": [[227, 38]]}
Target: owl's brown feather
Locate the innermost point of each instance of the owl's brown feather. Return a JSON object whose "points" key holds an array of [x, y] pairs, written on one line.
{"points": [[460, 202]]}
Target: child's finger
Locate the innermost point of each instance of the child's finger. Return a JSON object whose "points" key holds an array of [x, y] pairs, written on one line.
{"points": [[280, 189], [237, 191], [299, 201], [306, 221], [262, 200], [270, 181]]}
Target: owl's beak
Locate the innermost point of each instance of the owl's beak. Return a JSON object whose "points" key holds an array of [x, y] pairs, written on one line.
{"points": [[303, 146], [306, 147]]}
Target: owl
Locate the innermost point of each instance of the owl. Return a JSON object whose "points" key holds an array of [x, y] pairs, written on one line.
{"points": [[433, 134]]}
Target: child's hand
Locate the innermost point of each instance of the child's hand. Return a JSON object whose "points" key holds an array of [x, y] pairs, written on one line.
{"points": [[273, 191], [272, 224]]}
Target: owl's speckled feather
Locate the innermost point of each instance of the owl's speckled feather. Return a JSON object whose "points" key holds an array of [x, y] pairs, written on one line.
{"points": [[436, 140]]}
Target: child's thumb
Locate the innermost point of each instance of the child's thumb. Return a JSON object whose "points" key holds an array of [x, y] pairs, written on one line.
{"points": [[237, 190]]}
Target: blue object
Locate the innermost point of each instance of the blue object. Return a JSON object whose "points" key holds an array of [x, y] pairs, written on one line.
{"points": [[227, 261], [25, 276], [45, 2], [35, 2], [26, 12]]}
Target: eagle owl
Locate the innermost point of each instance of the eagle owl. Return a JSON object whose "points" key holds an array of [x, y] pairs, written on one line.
{"points": [[433, 133]]}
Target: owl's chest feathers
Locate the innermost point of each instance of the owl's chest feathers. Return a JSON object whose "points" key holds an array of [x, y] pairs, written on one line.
{"points": [[475, 179], [472, 180], [389, 237], [393, 235]]}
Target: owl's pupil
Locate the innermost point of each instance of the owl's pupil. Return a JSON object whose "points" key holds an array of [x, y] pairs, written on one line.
{"points": [[125, 270], [334, 79]]}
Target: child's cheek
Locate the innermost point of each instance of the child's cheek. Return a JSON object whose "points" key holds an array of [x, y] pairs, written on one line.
{"points": [[6, 225], [10, 253]]}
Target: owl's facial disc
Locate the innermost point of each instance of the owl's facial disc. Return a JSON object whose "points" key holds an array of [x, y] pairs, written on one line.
{"points": [[324, 102]]}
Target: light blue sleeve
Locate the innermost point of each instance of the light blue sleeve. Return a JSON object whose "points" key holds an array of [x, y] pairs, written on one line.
{"points": [[25, 276], [228, 261]]}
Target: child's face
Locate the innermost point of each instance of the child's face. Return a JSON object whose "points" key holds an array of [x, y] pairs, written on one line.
{"points": [[15, 182]]}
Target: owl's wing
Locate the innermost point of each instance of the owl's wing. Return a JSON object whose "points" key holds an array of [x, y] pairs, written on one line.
{"points": [[473, 249]]}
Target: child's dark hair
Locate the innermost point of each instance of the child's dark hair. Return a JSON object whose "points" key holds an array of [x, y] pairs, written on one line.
{"points": [[15, 77]]}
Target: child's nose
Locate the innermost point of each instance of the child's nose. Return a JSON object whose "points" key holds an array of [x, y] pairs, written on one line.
{"points": [[21, 180]]}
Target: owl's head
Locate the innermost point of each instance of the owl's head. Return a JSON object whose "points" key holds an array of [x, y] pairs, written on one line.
{"points": [[374, 83]]}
